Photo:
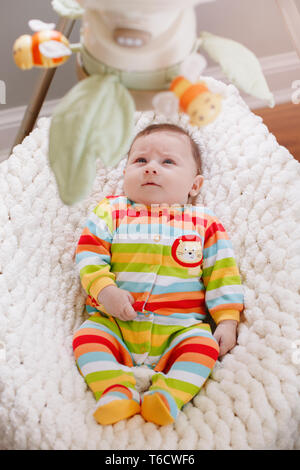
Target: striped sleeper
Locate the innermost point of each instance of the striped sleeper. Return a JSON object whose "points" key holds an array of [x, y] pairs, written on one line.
{"points": [[178, 264]]}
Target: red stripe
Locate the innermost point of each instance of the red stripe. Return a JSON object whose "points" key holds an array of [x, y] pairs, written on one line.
{"points": [[195, 348], [214, 227], [114, 197], [86, 339], [114, 386], [152, 306], [87, 240]]}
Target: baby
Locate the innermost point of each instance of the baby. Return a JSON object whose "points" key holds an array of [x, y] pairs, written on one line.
{"points": [[153, 265]]}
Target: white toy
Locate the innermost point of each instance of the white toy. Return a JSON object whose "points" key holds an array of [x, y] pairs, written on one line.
{"points": [[130, 50]]}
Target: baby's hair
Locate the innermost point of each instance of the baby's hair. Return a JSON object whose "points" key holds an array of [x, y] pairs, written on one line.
{"points": [[172, 128]]}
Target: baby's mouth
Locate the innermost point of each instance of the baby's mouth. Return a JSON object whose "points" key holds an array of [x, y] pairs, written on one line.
{"points": [[150, 184]]}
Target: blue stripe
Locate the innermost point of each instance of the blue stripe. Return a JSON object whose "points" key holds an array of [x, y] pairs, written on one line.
{"points": [[99, 232], [185, 316], [134, 286], [225, 299], [97, 326], [178, 287], [94, 357], [90, 310], [88, 254], [219, 245], [116, 394], [194, 368]]}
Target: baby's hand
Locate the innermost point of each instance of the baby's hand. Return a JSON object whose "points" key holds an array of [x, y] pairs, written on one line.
{"points": [[117, 302], [225, 334]]}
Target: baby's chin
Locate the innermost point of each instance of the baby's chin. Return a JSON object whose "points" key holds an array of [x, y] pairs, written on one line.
{"points": [[148, 201]]}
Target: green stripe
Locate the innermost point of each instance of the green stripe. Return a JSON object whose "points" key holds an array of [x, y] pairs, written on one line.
{"points": [[176, 384], [220, 264], [108, 323], [159, 350], [225, 281], [140, 348], [138, 248], [135, 325], [150, 268], [103, 211], [105, 375], [125, 383], [92, 268]]}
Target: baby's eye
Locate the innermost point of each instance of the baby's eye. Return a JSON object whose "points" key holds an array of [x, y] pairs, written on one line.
{"points": [[140, 160], [168, 160]]}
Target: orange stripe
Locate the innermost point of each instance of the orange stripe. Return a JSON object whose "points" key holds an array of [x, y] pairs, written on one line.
{"points": [[36, 55], [191, 93], [189, 356], [176, 296], [214, 238], [228, 307], [91, 347], [169, 311], [123, 390], [176, 82], [93, 248], [85, 348]]}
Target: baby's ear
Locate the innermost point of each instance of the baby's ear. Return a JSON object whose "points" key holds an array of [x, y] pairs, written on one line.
{"points": [[198, 181]]}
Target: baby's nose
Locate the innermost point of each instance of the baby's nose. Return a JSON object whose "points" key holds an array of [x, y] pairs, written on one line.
{"points": [[150, 171]]}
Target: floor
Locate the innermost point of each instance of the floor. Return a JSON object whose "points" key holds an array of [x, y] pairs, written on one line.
{"points": [[284, 122]]}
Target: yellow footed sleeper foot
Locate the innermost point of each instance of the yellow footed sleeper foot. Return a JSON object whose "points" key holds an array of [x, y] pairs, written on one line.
{"points": [[116, 403], [116, 410], [155, 409]]}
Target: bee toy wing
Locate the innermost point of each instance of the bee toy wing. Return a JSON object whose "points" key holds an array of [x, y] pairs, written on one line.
{"points": [[193, 66], [38, 25], [54, 49], [166, 103]]}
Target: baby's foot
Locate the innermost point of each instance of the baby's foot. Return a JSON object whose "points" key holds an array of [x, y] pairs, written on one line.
{"points": [[116, 403], [159, 407]]}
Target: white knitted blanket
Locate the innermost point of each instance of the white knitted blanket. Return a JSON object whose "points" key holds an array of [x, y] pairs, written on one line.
{"points": [[251, 401]]}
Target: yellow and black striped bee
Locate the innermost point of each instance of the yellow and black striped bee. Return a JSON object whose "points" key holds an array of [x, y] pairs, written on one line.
{"points": [[46, 48]]}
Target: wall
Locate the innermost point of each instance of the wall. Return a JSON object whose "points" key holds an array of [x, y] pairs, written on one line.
{"points": [[256, 23]]}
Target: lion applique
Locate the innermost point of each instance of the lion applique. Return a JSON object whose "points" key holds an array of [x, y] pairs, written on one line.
{"points": [[187, 251]]}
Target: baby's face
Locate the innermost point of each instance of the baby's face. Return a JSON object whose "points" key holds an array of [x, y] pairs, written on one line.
{"points": [[161, 170]]}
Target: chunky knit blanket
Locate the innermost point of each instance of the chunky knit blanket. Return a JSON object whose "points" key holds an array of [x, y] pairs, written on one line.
{"points": [[251, 400]]}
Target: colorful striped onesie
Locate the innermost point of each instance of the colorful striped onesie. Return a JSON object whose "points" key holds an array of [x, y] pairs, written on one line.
{"points": [[178, 264]]}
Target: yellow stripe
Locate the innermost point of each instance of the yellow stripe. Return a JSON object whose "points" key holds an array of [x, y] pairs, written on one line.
{"points": [[224, 272], [101, 385], [222, 315], [89, 278], [180, 394], [99, 284], [145, 258], [181, 86], [136, 337]]}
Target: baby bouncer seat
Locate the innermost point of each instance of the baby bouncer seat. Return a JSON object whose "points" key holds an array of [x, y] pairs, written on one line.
{"points": [[251, 400]]}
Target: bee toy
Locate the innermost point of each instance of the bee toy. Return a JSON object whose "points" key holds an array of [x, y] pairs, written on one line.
{"points": [[189, 95], [46, 48]]}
